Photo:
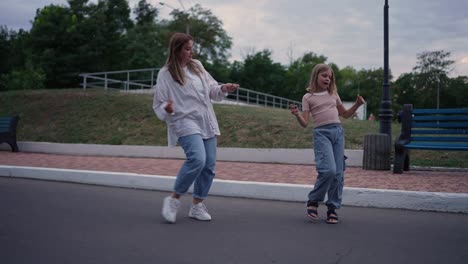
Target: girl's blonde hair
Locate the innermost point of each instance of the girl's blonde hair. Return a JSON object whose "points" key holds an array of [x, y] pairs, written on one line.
{"points": [[313, 85], [176, 43]]}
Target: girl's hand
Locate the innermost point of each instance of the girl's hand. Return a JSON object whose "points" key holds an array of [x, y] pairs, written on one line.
{"points": [[169, 107], [360, 100], [229, 87], [294, 109]]}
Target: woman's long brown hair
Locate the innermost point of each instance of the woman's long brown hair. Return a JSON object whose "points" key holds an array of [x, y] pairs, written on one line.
{"points": [[176, 43]]}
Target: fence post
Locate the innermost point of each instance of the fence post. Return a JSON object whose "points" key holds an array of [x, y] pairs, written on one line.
{"points": [[105, 82], [84, 81], [128, 81]]}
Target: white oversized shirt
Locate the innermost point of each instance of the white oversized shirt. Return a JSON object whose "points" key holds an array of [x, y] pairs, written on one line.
{"points": [[193, 110]]}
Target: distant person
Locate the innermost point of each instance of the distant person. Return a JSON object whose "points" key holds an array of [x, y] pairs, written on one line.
{"points": [[182, 99], [324, 104], [371, 117], [400, 116]]}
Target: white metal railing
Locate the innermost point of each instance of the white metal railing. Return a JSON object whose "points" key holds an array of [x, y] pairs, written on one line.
{"points": [[253, 97], [142, 80], [121, 80]]}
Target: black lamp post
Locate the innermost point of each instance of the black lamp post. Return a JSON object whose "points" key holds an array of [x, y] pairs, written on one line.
{"points": [[386, 103]]}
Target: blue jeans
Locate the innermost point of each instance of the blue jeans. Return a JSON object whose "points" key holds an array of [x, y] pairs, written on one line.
{"points": [[329, 160], [199, 167]]}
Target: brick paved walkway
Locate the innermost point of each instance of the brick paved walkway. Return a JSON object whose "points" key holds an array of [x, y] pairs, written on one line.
{"points": [[415, 180]]}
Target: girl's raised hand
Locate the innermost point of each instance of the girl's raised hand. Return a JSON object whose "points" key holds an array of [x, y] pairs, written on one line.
{"points": [[360, 100], [294, 109]]}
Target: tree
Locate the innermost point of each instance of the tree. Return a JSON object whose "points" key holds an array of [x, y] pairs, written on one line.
{"points": [[348, 84], [52, 49], [6, 37], [298, 75], [404, 92], [370, 82], [432, 70], [146, 46], [26, 78], [113, 20], [261, 74], [145, 13], [212, 43], [79, 8], [455, 93]]}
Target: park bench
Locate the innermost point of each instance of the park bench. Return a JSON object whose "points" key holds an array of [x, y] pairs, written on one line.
{"points": [[430, 129], [8, 131]]}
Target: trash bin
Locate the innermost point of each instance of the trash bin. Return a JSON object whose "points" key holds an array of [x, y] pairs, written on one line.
{"points": [[377, 152]]}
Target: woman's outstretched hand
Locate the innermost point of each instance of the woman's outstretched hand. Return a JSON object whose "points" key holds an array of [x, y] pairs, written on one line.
{"points": [[229, 87]]}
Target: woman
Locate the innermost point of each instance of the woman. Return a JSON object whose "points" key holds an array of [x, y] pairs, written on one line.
{"points": [[182, 99]]}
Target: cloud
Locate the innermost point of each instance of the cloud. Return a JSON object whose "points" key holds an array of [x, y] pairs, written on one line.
{"points": [[348, 32]]}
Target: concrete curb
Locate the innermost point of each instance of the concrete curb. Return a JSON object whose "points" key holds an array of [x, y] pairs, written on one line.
{"points": [[428, 201], [273, 155]]}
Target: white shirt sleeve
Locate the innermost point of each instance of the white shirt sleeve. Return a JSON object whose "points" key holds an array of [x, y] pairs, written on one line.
{"points": [[160, 97], [215, 92]]}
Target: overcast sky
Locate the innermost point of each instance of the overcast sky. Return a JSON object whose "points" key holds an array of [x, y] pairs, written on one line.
{"points": [[348, 32]]}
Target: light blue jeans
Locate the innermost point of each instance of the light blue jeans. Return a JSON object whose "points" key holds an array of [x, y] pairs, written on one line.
{"points": [[199, 167], [329, 162]]}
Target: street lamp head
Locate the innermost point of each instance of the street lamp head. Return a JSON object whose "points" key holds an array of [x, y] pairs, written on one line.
{"points": [[187, 26], [164, 4]]}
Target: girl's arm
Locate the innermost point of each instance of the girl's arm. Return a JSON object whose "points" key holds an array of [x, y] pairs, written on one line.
{"points": [[347, 113], [302, 118]]}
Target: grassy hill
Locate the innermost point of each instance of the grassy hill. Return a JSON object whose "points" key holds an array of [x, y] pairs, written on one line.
{"points": [[91, 116]]}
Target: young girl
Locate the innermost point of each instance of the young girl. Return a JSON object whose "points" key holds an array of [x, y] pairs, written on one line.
{"points": [[324, 104]]}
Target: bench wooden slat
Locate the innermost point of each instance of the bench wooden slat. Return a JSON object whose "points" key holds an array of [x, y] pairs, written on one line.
{"points": [[5, 124], [441, 111], [440, 139], [440, 125], [436, 143], [439, 131], [437, 147], [440, 118]]}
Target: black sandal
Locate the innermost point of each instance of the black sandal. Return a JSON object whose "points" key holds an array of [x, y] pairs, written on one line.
{"points": [[332, 217], [312, 213]]}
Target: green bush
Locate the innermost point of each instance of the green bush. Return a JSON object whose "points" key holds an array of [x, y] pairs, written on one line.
{"points": [[23, 79]]}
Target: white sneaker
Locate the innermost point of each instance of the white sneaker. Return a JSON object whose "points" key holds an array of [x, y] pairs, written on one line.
{"points": [[199, 212], [170, 207]]}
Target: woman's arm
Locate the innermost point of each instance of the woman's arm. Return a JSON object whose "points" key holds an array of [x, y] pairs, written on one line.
{"points": [[347, 113], [162, 104]]}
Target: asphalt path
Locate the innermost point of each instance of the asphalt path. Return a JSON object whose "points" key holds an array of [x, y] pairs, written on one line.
{"points": [[56, 222]]}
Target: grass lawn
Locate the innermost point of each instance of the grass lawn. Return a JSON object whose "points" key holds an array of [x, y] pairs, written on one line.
{"points": [[96, 117]]}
